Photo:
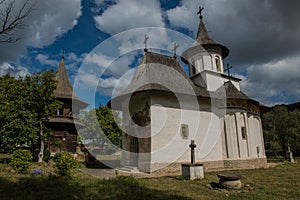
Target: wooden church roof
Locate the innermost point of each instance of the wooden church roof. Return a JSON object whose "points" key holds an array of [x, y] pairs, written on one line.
{"points": [[156, 67], [64, 89], [229, 91]]}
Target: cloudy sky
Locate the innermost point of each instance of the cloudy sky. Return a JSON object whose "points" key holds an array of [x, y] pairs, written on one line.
{"points": [[262, 35]]}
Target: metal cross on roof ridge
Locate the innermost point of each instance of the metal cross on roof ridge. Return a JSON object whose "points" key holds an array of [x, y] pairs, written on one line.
{"points": [[174, 49], [145, 42], [228, 70]]}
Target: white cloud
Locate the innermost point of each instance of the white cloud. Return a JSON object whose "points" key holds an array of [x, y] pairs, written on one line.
{"points": [[44, 59], [87, 80], [274, 82], [48, 21], [16, 72], [100, 61], [112, 86], [72, 61], [184, 15], [104, 73], [128, 14], [51, 19]]}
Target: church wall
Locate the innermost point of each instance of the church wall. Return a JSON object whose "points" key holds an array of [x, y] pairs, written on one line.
{"points": [[213, 81], [243, 145], [256, 137], [208, 64], [225, 154], [232, 138], [240, 122], [167, 143]]}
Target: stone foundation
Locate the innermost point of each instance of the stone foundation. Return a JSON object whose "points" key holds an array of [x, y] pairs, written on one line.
{"points": [[175, 168]]}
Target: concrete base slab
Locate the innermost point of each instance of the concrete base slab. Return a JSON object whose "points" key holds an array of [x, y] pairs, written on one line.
{"points": [[192, 172]]}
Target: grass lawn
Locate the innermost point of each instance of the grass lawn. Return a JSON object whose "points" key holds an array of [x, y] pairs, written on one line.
{"points": [[281, 182]]}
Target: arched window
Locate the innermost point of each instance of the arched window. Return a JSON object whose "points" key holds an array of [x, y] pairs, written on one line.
{"points": [[218, 64]]}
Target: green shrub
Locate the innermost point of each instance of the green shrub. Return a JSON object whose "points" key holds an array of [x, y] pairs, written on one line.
{"points": [[64, 163], [21, 160], [47, 155]]}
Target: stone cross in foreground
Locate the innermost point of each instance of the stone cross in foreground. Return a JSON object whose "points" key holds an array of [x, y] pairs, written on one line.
{"points": [[290, 154], [193, 146]]}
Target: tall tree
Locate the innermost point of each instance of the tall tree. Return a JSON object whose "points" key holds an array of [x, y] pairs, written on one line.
{"points": [[101, 123], [24, 106], [17, 122], [281, 128], [43, 103], [110, 121], [13, 15]]}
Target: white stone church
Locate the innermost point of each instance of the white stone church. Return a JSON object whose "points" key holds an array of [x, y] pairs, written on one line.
{"points": [[164, 109]]}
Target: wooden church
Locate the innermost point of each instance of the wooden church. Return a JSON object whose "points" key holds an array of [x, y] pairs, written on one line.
{"points": [[65, 122], [164, 109]]}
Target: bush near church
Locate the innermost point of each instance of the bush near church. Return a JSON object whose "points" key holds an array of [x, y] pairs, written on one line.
{"points": [[64, 163], [21, 160]]}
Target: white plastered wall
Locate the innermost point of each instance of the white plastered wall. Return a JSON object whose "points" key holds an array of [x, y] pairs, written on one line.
{"points": [[167, 143], [256, 136]]}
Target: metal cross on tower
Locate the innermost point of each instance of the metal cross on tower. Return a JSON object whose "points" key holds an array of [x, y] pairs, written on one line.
{"points": [[175, 49], [200, 11], [228, 70], [63, 53], [145, 42]]}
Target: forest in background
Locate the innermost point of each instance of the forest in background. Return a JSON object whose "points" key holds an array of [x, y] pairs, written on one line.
{"points": [[281, 126]]}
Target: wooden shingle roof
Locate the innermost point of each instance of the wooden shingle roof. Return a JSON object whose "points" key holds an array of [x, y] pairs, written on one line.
{"points": [[229, 91], [64, 89], [163, 73]]}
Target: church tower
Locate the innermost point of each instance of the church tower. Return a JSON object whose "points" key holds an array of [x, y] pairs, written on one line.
{"points": [[65, 122], [205, 60]]}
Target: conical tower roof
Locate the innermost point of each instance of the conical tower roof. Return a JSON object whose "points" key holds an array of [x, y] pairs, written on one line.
{"points": [[203, 40], [203, 37], [64, 89]]}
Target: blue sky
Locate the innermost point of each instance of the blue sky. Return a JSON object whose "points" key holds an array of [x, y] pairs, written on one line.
{"points": [[262, 35]]}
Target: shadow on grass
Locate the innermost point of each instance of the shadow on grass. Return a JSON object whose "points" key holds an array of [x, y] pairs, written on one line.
{"points": [[44, 187]]}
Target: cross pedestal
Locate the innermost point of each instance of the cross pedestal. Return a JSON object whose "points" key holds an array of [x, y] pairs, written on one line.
{"points": [[192, 170]]}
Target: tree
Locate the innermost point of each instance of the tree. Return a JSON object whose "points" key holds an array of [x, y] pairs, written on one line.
{"points": [[12, 18], [101, 123], [43, 103], [24, 106], [92, 133], [109, 121], [17, 122], [281, 128]]}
